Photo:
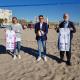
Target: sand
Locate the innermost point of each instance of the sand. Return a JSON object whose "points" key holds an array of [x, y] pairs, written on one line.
{"points": [[29, 69]]}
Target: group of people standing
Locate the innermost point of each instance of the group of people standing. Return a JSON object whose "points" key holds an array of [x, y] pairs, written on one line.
{"points": [[41, 31]]}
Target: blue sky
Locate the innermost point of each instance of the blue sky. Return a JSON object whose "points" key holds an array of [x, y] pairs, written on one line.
{"points": [[54, 12]]}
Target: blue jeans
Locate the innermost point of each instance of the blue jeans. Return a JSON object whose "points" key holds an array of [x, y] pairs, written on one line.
{"points": [[41, 48], [17, 47]]}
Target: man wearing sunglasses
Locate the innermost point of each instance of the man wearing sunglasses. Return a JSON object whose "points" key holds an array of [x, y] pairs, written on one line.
{"points": [[66, 24], [41, 30]]}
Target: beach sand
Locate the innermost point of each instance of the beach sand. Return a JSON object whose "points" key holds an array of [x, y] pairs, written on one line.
{"points": [[28, 68]]}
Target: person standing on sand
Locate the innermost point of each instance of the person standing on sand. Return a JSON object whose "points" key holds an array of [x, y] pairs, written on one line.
{"points": [[41, 30], [18, 30], [66, 24]]}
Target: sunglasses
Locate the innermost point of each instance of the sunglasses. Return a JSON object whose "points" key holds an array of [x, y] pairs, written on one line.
{"points": [[41, 18]]}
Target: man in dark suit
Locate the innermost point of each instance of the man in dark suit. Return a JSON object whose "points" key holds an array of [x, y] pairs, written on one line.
{"points": [[41, 30], [66, 24]]}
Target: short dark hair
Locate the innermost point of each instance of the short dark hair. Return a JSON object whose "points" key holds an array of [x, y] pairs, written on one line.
{"points": [[14, 18], [40, 16]]}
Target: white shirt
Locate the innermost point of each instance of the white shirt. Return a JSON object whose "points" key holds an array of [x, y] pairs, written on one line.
{"points": [[41, 26]]}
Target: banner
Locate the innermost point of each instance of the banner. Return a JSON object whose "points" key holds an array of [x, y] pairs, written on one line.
{"points": [[10, 40], [64, 39]]}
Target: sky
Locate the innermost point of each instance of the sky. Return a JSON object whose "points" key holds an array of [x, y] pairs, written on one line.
{"points": [[53, 12]]}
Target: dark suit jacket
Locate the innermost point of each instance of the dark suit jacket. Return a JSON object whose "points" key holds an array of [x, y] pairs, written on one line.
{"points": [[70, 25], [44, 28]]}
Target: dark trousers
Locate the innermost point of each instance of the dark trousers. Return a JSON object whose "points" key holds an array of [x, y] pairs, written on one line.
{"points": [[68, 55]]}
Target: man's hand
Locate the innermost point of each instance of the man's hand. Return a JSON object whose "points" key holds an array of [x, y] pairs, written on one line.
{"points": [[71, 29], [38, 33]]}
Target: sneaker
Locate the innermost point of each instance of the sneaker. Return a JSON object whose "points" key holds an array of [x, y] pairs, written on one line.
{"points": [[39, 58], [45, 58], [19, 56], [14, 57]]}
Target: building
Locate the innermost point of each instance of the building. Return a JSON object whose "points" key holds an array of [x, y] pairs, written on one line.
{"points": [[5, 13]]}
